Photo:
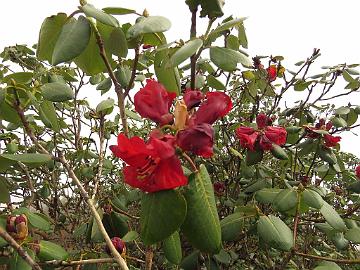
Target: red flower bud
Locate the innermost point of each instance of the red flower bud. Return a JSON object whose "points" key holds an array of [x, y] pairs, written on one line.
{"points": [[118, 244], [219, 188], [147, 46], [272, 73], [262, 120]]}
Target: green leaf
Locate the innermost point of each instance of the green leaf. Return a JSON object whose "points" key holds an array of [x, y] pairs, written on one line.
{"points": [[28, 158], [211, 8], [339, 241], [51, 251], [301, 85], [158, 218], [118, 10], [169, 77], [57, 92], [19, 77], [225, 26], [130, 236], [325, 265], [172, 248], [215, 83], [354, 187], [106, 106], [223, 257], [327, 155], [312, 198], [202, 225], [278, 152], [9, 114], [228, 59], [184, 52], [339, 122], [353, 235], [267, 195], [133, 115], [123, 75], [36, 220], [332, 217], [47, 112], [104, 85], [49, 33], [18, 263], [285, 200], [242, 35], [117, 43], [4, 190], [190, 262], [342, 110], [273, 231], [257, 185], [231, 226], [72, 41], [152, 24], [99, 15], [253, 157]]}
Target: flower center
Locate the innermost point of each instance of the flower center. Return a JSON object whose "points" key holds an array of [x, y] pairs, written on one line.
{"points": [[149, 167]]}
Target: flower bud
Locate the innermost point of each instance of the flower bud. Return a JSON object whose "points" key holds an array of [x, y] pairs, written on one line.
{"points": [[219, 188], [17, 227], [118, 244]]}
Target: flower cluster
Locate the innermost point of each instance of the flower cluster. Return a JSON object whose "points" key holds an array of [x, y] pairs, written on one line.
{"points": [[263, 137], [153, 164], [17, 227], [318, 131]]}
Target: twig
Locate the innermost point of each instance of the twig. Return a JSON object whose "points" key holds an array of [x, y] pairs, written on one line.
{"points": [[133, 73], [148, 258], [193, 57], [341, 261], [23, 254], [89, 261]]}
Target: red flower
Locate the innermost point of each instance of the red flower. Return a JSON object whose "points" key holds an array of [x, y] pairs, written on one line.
{"points": [[118, 244], [265, 136], [272, 73], [192, 98], [216, 105], [154, 102], [331, 141], [247, 136], [198, 136], [198, 139], [357, 171], [153, 166], [219, 188]]}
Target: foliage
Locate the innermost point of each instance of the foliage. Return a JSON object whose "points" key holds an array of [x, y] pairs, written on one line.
{"points": [[258, 182]]}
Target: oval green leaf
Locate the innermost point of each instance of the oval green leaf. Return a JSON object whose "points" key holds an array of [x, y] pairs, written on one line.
{"points": [[28, 158], [50, 251], [57, 92], [273, 231], [72, 41], [285, 200], [162, 213], [228, 59], [99, 15], [152, 24], [184, 52], [231, 226], [332, 217], [172, 248], [202, 225]]}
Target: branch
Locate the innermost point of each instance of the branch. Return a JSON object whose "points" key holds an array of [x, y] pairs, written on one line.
{"points": [[118, 88], [193, 57], [343, 261], [133, 73], [23, 254]]}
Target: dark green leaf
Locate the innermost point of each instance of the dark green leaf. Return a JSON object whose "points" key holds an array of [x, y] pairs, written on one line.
{"points": [[118, 10], [325, 265], [172, 248], [285, 200], [266, 195], [117, 43], [47, 111], [278, 152], [312, 198], [215, 83], [353, 235], [202, 225], [72, 41], [18, 263], [158, 219], [231, 226], [51, 251], [49, 33], [106, 106], [130, 236], [301, 85], [4, 190], [19, 77], [253, 157]]}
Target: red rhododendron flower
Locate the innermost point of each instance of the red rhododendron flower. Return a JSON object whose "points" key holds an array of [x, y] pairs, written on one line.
{"points": [[272, 73], [198, 139], [265, 136], [198, 136], [119, 245], [192, 98], [216, 105], [247, 136], [153, 166], [357, 171], [331, 141], [154, 102]]}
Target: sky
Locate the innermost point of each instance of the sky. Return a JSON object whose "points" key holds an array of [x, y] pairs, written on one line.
{"points": [[279, 27]]}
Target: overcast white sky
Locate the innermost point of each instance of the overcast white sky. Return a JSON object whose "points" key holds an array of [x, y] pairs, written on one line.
{"points": [[278, 27]]}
